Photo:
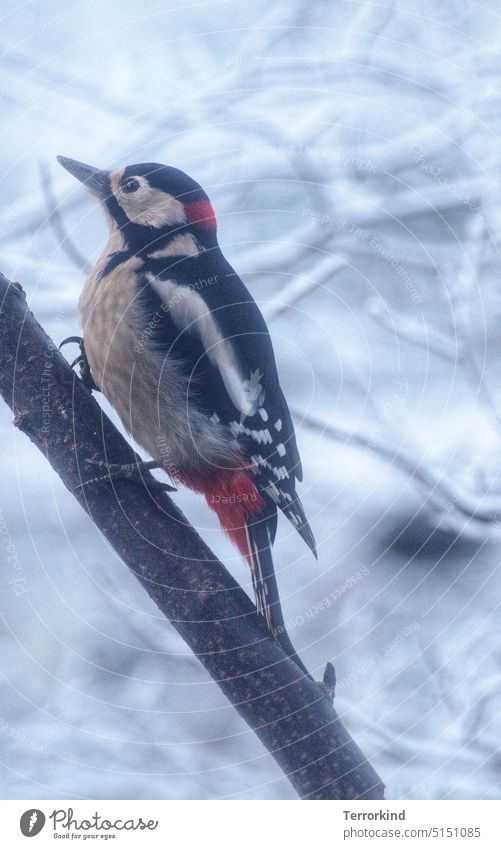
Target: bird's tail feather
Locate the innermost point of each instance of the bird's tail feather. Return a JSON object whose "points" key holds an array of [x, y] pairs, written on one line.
{"points": [[294, 511], [266, 588]]}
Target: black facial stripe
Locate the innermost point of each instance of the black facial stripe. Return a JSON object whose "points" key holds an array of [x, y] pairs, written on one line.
{"points": [[114, 260], [116, 211]]}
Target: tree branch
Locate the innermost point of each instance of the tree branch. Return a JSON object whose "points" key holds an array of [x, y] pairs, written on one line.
{"points": [[291, 715]]}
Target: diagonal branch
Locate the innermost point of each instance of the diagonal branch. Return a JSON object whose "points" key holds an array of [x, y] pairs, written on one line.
{"points": [[290, 713]]}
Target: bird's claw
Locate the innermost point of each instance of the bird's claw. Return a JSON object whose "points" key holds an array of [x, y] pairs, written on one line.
{"points": [[82, 362], [74, 340], [126, 471]]}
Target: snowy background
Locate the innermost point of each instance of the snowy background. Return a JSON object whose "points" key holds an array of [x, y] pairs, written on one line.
{"points": [[351, 152]]}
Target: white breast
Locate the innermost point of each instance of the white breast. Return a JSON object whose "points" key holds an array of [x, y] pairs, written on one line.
{"points": [[149, 391]]}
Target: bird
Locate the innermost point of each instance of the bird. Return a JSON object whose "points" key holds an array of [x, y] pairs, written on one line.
{"points": [[176, 343]]}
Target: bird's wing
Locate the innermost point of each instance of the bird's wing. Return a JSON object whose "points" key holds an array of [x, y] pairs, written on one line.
{"points": [[218, 330]]}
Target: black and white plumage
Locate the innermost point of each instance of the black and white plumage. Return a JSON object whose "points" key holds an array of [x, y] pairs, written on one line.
{"points": [[177, 344]]}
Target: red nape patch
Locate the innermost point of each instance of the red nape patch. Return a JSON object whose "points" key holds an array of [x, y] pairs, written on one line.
{"points": [[200, 212], [233, 498]]}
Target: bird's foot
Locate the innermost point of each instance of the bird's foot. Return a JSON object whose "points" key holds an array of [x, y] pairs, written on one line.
{"points": [[127, 471], [82, 362]]}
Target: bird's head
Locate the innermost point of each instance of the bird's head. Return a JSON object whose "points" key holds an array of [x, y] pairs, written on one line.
{"points": [[144, 201]]}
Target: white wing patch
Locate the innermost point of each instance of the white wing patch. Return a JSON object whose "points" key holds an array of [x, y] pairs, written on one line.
{"points": [[262, 437], [264, 415], [190, 312], [254, 393]]}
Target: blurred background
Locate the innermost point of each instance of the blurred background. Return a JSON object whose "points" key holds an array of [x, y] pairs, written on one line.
{"points": [[351, 153]]}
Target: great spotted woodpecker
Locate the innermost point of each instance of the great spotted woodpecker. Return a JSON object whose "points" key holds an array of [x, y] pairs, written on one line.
{"points": [[179, 347]]}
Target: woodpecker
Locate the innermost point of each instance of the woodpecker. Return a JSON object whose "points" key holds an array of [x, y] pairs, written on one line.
{"points": [[176, 343]]}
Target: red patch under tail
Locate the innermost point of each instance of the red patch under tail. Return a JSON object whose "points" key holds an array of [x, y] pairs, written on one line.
{"points": [[235, 499]]}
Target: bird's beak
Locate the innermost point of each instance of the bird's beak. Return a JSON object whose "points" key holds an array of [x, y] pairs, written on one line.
{"points": [[98, 182]]}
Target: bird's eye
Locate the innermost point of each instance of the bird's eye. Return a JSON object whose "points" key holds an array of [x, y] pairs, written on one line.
{"points": [[130, 186]]}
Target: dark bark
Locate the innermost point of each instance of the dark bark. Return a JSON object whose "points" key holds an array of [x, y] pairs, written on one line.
{"points": [[290, 714]]}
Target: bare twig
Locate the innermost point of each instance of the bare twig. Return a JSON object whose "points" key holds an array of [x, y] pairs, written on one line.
{"points": [[56, 222], [409, 330], [302, 287], [442, 492]]}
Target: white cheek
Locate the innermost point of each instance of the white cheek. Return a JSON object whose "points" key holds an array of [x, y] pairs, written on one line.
{"points": [[152, 208]]}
